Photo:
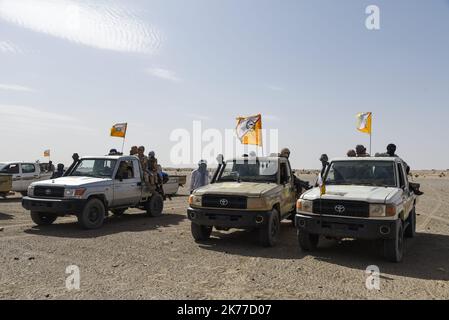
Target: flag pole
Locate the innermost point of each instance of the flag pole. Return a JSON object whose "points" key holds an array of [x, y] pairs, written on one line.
{"points": [[123, 144]]}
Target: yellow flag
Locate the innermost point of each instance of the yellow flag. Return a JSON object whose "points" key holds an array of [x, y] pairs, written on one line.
{"points": [[364, 120], [249, 130], [119, 130], [47, 153]]}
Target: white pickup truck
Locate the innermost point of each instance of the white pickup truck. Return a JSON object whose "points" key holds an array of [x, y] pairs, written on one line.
{"points": [[23, 174], [93, 187], [366, 198]]}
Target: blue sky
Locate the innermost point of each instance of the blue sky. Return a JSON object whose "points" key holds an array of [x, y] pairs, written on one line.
{"points": [[307, 66]]}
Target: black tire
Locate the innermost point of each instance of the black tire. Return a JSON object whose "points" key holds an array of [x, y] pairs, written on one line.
{"points": [[394, 249], [269, 233], [24, 193], [155, 205], [93, 214], [200, 233], [410, 232], [42, 218], [118, 212], [308, 241]]}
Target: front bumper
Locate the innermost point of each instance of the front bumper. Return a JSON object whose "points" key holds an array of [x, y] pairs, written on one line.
{"points": [[228, 218], [57, 206], [338, 227]]}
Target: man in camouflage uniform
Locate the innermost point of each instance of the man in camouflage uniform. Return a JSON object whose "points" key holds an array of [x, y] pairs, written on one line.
{"points": [[361, 151], [298, 183], [133, 151], [144, 163]]}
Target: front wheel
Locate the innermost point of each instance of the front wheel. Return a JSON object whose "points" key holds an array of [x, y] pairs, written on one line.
{"points": [[307, 241], [200, 233], [410, 232], [269, 233], [42, 218], [93, 215], [394, 248], [155, 205]]}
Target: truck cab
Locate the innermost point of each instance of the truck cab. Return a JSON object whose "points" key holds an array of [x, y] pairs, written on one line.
{"points": [[245, 193], [93, 187], [364, 198]]}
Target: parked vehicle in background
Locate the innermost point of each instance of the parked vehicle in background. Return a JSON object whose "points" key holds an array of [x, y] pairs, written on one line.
{"points": [[23, 174], [365, 198], [93, 187], [245, 193]]}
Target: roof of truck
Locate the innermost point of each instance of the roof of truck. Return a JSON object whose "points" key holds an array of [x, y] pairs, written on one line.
{"points": [[108, 157], [395, 159]]}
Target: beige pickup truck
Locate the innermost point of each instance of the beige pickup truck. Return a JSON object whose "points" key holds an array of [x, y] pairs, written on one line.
{"points": [[245, 193]]}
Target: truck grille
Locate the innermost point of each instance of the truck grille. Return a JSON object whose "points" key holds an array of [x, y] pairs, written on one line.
{"points": [[358, 209], [224, 201], [49, 192]]}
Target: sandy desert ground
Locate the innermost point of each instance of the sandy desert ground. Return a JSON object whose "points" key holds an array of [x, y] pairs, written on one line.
{"points": [[137, 257]]}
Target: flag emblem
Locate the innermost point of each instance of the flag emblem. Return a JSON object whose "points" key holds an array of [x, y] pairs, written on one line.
{"points": [[364, 120], [119, 130], [249, 130], [47, 153]]}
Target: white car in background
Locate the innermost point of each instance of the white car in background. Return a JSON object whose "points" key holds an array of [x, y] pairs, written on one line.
{"points": [[23, 174]]}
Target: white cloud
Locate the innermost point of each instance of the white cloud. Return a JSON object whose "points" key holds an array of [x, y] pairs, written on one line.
{"points": [[275, 88], [99, 24], [30, 120], [13, 87], [163, 74], [9, 47]]}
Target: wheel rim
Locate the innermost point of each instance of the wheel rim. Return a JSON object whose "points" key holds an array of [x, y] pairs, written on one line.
{"points": [[94, 214]]}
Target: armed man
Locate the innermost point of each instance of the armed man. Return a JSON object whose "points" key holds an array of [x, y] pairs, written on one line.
{"points": [[144, 163], [361, 151], [299, 184]]}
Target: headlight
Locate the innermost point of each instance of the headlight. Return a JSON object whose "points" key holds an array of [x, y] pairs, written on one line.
{"points": [[377, 210], [195, 201], [304, 206], [74, 193], [30, 190], [256, 204]]}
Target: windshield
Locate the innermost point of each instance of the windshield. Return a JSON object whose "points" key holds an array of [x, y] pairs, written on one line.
{"points": [[250, 171], [2, 165], [98, 168], [363, 173]]}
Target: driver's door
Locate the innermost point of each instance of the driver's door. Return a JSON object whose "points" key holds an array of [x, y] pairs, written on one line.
{"points": [[127, 189], [288, 194]]}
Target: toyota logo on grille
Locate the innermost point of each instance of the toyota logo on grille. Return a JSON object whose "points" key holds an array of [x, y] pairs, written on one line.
{"points": [[224, 202], [340, 209], [47, 191]]}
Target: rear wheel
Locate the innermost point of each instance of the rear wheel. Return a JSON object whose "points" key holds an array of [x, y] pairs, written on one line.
{"points": [[42, 218], [410, 232], [394, 248], [155, 205], [93, 215], [307, 241], [200, 233], [269, 233]]}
